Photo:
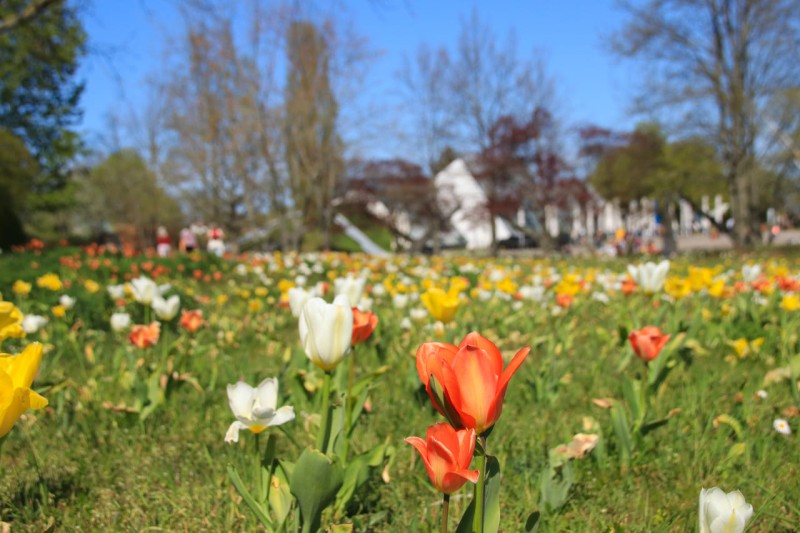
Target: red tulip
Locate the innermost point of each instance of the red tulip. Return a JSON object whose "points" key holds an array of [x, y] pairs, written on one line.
{"points": [[647, 342], [470, 382], [364, 323], [447, 453], [145, 336], [192, 320]]}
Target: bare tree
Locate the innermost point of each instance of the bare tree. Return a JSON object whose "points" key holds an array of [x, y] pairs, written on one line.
{"points": [[719, 59]]}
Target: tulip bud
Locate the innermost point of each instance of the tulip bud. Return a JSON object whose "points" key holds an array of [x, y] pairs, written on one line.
{"points": [[720, 512], [326, 331]]}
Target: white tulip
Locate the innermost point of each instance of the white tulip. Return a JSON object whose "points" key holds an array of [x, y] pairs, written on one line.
{"points": [[144, 290], [650, 276], [256, 408], [116, 291], [326, 330], [750, 273], [297, 299], [120, 321], [365, 304], [32, 323], [166, 309], [67, 301], [400, 300], [723, 513], [350, 286]]}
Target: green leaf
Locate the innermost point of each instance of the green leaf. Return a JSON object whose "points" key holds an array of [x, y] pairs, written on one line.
{"points": [[314, 482], [258, 509], [623, 433], [533, 522], [280, 496], [357, 473], [491, 509]]}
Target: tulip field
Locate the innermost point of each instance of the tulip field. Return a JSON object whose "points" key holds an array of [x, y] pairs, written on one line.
{"points": [[331, 392]]}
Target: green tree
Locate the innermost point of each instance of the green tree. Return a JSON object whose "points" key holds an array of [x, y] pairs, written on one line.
{"points": [[39, 95], [123, 190], [648, 166], [18, 168], [716, 62]]}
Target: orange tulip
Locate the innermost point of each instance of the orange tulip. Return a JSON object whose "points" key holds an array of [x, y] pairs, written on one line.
{"points": [[145, 336], [192, 320], [564, 300], [647, 342], [447, 453], [469, 383], [364, 323]]}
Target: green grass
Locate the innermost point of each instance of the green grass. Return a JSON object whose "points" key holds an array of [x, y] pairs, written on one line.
{"points": [[82, 466]]}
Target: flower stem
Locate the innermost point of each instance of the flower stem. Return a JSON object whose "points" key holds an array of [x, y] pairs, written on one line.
{"points": [[348, 404], [477, 524], [445, 511], [325, 423]]}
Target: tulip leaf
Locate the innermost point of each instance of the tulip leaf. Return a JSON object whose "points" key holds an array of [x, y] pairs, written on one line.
{"points": [[248, 498], [315, 480], [280, 496], [623, 433], [491, 506], [357, 474], [533, 522]]}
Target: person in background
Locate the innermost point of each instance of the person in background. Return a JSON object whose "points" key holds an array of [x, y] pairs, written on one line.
{"points": [[163, 244], [216, 245], [188, 241]]}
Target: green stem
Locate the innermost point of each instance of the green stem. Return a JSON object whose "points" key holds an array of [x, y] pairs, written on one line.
{"points": [[445, 511], [643, 397], [269, 454], [477, 524], [37, 464], [348, 404], [325, 423], [259, 480]]}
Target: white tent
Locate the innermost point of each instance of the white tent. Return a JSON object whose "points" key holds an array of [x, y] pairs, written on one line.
{"points": [[457, 189]]}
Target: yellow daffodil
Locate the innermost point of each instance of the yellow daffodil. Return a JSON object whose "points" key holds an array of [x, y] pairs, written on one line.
{"points": [[16, 375], [441, 305], [21, 288], [49, 281], [10, 321]]}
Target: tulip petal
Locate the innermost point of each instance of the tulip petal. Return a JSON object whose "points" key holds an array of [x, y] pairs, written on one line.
{"points": [[452, 481], [282, 415], [22, 368], [479, 341], [240, 399], [232, 435], [37, 401], [430, 356], [512, 367], [476, 383], [266, 396]]}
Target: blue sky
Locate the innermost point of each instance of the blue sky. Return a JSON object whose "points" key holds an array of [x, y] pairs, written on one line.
{"points": [[129, 38]]}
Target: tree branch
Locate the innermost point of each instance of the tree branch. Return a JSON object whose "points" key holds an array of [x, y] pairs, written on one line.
{"points": [[29, 12]]}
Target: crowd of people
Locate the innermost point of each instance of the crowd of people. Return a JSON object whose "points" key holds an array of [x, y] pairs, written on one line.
{"points": [[190, 237]]}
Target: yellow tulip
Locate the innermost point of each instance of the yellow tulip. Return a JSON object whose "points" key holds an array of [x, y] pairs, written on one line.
{"points": [[16, 375], [790, 302], [20, 287], [10, 321], [59, 311], [49, 281], [91, 286], [441, 305]]}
